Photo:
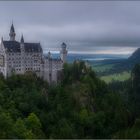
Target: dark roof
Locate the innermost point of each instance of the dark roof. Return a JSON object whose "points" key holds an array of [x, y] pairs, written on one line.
{"points": [[12, 28], [14, 46], [22, 39], [32, 47], [63, 44]]}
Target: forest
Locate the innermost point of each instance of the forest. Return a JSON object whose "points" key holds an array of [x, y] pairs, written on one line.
{"points": [[80, 106]]}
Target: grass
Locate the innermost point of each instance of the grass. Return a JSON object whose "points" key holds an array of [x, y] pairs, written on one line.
{"points": [[102, 67], [116, 77]]}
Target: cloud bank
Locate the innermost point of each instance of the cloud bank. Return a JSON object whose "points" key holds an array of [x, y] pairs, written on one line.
{"points": [[86, 26]]}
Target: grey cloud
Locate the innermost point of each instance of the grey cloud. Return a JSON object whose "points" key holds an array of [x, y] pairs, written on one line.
{"points": [[84, 25]]}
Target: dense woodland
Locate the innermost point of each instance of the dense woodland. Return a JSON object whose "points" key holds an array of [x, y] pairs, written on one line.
{"points": [[80, 106]]}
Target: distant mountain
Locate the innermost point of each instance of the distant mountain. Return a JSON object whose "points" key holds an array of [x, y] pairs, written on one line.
{"points": [[90, 57], [135, 56], [129, 63], [121, 65]]}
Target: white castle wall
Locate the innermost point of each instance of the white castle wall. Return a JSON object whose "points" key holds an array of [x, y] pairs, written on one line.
{"points": [[20, 63]]}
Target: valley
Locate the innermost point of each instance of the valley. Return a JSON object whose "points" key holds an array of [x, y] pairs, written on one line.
{"points": [[115, 69]]}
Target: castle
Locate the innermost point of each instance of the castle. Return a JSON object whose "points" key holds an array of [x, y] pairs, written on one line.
{"points": [[21, 57]]}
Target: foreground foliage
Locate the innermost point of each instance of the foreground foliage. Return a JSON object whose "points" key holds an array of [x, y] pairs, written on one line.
{"points": [[81, 106]]}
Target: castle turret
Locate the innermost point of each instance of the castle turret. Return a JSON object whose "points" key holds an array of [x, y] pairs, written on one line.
{"points": [[50, 67], [12, 33], [22, 39], [49, 55], [22, 44], [63, 52], [22, 54]]}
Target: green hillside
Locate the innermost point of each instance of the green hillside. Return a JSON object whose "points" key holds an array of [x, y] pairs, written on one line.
{"points": [[80, 106], [116, 77], [116, 70]]}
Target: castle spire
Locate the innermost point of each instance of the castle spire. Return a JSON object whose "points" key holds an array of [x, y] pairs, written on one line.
{"points": [[12, 28], [22, 39], [12, 33]]}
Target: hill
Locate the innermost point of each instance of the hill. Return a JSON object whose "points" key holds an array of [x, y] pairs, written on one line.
{"points": [[129, 63], [81, 106], [106, 67], [135, 56]]}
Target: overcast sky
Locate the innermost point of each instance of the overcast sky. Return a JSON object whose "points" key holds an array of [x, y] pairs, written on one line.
{"points": [[86, 26]]}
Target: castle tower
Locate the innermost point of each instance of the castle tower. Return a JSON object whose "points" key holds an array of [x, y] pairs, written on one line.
{"points": [[12, 33], [22, 54], [22, 44], [22, 39], [49, 55], [63, 52], [50, 67]]}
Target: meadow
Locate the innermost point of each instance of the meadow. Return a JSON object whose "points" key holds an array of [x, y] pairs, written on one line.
{"points": [[116, 77], [102, 67]]}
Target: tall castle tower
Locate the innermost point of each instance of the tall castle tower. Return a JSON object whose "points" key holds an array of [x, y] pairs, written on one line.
{"points": [[12, 33], [63, 52], [22, 54], [50, 67]]}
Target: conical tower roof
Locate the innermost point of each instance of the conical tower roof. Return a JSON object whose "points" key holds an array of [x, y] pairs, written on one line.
{"points": [[22, 39], [12, 28]]}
